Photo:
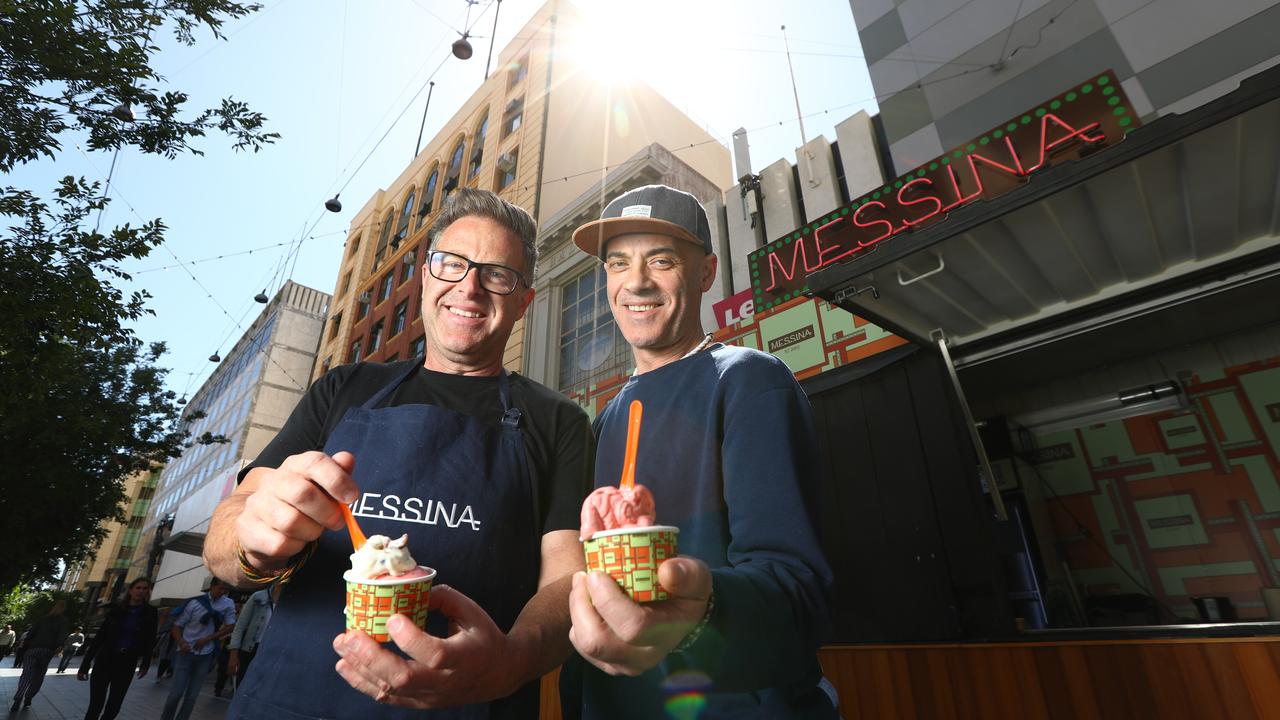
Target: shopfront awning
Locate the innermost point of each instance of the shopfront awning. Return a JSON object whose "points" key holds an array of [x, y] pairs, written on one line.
{"points": [[1185, 209]]}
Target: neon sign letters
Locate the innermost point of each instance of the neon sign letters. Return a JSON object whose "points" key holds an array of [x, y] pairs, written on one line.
{"points": [[1083, 120]]}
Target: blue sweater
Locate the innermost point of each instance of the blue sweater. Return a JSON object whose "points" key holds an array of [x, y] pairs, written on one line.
{"points": [[728, 449]]}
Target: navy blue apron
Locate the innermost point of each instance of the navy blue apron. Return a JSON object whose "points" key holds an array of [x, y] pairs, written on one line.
{"points": [[461, 488]]}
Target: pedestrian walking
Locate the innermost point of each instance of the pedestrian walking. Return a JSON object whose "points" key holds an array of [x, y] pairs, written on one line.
{"points": [[7, 638], [18, 646], [249, 630], [199, 628], [43, 640], [121, 646], [70, 648], [164, 645]]}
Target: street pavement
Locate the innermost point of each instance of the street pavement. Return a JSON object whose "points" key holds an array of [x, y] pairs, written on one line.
{"points": [[64, 698]]}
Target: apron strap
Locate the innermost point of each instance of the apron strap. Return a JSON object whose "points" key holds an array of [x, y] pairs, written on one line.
{"points": [[382, 394], [510, 415]]}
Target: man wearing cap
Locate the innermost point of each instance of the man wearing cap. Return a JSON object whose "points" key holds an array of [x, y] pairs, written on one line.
{"points": [[728, 450]]}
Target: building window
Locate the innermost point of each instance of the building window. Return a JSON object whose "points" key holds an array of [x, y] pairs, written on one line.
{"points": [[477, 147], [428, 197], [375, 337], [402, 227], [334, 323], [512, 116], [328, 363], [419, 346], [346, 284], [384, 290], [402, 312], [354, 357], [355, 245], [383, 239], [453, 173], [519, 70], [410, 262], [364, 304], [591, 346], [507, 164]]}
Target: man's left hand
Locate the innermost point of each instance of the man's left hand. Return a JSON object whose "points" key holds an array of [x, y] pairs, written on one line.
{"points": [[476, 663], [622, 637]]}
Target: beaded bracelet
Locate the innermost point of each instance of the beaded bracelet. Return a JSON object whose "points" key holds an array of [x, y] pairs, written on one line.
{"points": [[282, 575], [696, 632]]}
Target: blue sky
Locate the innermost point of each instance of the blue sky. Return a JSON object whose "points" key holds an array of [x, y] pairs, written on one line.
{"points": [[332, 76]]}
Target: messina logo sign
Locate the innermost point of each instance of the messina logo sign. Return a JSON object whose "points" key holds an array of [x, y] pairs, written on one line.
{"points": [[1082, 120]]}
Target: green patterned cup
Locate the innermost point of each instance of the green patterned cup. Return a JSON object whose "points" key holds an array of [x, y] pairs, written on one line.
{"points": [[631, 556], [370, 603]]}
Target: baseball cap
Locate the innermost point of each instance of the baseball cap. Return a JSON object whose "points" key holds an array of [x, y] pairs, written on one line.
{"points": [[649, 209]]}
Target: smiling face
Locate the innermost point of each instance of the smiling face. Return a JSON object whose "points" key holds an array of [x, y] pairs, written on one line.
{"points": [[655, 286], [467, 327]]}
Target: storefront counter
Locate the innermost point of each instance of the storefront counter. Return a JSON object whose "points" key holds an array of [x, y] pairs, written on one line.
{"points": [[1131, 675]]}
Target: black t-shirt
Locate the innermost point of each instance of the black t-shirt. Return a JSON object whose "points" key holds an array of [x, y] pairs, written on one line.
{"points": [[557, 434]]}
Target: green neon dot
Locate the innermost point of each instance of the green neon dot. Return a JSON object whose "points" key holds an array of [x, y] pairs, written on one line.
{"points": [[897, 185], [885, 190], [1055, 104], [946, 160], [997, 134], [1120, 111], [1104, 80], [920, 173], [1011, 126], [1127, 130], [789, 240], [1071, 97], [985, 140], [1025, 120], [933, 166], [1108, 91], [1040, 112], [875, 195], [1113, 100], [970, 147], [1124, 122], [844, 211], [1086, 89]]}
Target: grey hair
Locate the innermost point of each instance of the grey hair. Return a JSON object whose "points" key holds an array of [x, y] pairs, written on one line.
{"points": [[483, 203]]}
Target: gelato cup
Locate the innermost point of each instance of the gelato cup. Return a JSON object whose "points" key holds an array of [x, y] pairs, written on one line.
{"points": [[370, 603], [631, 556]]}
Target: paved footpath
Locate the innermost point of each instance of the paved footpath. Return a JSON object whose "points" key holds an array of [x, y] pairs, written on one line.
{"points": [[64, 698]]}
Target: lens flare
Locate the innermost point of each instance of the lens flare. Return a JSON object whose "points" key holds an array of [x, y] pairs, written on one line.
{"points": [[686, 694]]}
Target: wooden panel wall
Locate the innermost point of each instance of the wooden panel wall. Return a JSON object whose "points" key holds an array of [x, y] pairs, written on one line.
{"points": [[1191, 679]]}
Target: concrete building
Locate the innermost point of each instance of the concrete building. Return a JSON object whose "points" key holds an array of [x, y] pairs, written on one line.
{"points": [[945, 70], [103, 574], [246, 401], [539, 131]]}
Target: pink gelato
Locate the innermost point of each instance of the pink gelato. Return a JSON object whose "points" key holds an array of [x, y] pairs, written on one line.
{"points": [[610, 508]]}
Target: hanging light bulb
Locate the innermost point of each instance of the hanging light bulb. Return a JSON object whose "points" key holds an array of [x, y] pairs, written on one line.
{"points": [[123, 111], [462, 48], [215, 358], [333, 204], [182, 400], [261, 297]]}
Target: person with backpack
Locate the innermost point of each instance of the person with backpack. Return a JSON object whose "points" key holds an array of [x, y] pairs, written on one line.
{"points": [[198, 629]]}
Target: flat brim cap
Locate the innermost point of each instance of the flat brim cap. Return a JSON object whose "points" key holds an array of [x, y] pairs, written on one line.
{"points": [[657, 209]]}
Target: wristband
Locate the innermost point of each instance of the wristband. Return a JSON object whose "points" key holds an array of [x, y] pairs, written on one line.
{"points": [[283, 575], [696, 632]]}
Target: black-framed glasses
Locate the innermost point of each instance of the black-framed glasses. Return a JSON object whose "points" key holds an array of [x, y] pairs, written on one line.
{"points": [[497, 279]]}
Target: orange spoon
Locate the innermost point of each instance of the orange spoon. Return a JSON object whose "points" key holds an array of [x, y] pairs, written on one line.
{"points": [[357, 537], [633, 442]]}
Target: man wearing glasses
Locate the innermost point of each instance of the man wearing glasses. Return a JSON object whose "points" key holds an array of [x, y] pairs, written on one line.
{"points": [[483, 469]]}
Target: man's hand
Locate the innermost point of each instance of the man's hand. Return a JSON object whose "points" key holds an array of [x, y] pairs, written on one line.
{"points": [[292, 505], [184, 647], [200, 642], [622, 637], [142, 672], [233, 662], [476, 663], [82, 675]]}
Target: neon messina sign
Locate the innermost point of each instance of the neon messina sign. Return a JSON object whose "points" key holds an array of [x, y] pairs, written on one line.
{"points": [[1085, 119]]}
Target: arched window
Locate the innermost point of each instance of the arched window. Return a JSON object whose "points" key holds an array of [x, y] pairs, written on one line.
{"points": [[402, 227], [477, 147], [454, 172], [428, 196], [383, 238]]}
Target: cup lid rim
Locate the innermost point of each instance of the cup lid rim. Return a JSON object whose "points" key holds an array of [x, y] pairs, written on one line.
{"points": [[384, 581], [634, 530]]}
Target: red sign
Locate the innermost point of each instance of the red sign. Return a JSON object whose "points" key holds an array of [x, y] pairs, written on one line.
{"points": [[1081, 121], [733, 310]]}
